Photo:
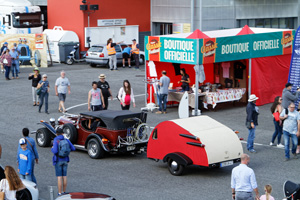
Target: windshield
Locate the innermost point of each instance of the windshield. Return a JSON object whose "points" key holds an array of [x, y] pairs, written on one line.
{"points": [[96, 49], [26, 20]]}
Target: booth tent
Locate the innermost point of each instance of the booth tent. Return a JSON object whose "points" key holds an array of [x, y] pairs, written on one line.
{"points": [[61, 43], [258, 58]]}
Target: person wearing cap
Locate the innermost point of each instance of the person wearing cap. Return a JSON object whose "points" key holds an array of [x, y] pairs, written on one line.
{"points": [[291, 129], [32, 148], [3, 48], [35, 77], [111, 51], [24, 161], [15, 62], [62, 84], [106, 91], [44, 84], [288, 96], [251, 121], [135, 52], [60, 163]]}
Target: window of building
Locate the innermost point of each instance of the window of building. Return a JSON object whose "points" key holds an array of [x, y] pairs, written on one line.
{"points": [[269, 23], [274, 23]]}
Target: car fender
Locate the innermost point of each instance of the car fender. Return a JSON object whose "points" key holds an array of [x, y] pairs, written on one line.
{"points": [[32, 187], [49, 127], [99, 138], [180, 158]]}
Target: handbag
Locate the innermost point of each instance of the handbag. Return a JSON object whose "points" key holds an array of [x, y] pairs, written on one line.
{"points": [[276, 116], [38, 92], [2, 192], [5, 61]]}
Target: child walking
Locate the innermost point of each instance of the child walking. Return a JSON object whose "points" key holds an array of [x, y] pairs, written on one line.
{"points": [[267, 195], [24, 161]]}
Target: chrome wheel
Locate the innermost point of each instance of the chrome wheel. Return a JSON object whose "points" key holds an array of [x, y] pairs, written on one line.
{"points": [[40, 138], [92, 149], [67, 133]]}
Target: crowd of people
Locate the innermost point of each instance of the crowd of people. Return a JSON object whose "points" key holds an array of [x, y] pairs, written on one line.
{"points": [[9, 60]]}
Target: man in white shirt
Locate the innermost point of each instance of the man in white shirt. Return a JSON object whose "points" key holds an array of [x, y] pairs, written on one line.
{"points": [[243, 181], [62, 84]]}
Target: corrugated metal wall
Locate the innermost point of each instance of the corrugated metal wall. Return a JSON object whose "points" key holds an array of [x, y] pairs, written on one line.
{"points": [[222, 14]]}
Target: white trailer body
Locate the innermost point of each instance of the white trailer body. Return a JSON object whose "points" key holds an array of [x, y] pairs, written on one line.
{"points": [[20, 17], [100, 35]]}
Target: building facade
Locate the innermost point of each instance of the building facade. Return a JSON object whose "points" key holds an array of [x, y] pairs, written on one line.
{"points": [[167, 15], [67, 14]]}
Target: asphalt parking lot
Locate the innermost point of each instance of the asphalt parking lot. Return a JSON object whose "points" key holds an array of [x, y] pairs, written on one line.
{"points": [[132, 176]]}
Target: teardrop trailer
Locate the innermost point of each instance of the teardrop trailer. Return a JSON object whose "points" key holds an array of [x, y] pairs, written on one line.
{"points": [[198, 140], [115, 132]]}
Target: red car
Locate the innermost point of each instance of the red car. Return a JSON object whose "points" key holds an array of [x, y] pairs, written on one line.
{"points": [[194, 141], [99, 132]]}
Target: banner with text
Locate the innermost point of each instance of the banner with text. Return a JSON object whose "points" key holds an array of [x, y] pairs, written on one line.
{"points": [[175, 50], [211, 50], [294, 75]]}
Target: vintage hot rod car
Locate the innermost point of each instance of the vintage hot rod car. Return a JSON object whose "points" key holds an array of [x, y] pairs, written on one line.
{"points": [[114, 131], [194, 141]]}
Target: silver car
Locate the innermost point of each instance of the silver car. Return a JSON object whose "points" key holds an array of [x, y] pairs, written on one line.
{"points": [[97, 55]]}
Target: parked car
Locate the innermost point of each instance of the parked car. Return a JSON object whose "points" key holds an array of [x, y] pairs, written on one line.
{"points": [[29, 193], [97, 55], [194, 141], [116, 131], [85, 195]]}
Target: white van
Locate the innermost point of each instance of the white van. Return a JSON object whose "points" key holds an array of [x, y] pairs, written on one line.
{"points": [[20, 17]]}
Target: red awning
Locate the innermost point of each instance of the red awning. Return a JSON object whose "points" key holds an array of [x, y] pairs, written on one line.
{"points": [[245, 31]]}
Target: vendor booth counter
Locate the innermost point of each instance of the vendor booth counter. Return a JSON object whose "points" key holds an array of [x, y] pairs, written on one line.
{"points": [[208, 98]]}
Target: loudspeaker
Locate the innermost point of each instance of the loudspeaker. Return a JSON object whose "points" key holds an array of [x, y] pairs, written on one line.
{"points": [[83, 7], [94, 7]]}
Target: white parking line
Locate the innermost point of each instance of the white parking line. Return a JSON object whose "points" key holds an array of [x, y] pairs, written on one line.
{"points": [[258, 144], [139, 95]]}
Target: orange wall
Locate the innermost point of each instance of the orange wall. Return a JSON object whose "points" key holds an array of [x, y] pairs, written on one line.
{"points": [[66, 13]]}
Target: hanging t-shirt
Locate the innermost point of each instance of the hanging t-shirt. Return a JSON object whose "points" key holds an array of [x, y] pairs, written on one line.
{"points": [[226, 66]]}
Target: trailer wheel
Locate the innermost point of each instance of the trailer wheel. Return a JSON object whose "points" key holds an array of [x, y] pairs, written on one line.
{"points": [[43, 137], [94, 148], [175, 168]]}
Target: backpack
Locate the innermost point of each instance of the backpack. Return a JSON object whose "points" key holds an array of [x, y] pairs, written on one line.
{"points": [[63, 148]]}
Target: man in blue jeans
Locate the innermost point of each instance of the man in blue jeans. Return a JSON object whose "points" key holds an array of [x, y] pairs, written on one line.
{"points": [[251, 121], [60, 163], [164, 82], [291, 128]]}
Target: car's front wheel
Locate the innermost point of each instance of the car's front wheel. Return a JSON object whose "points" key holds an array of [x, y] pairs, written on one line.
{"points": [[70, 132], [43, 137], [94, 149], [23, 195], [175, 168]]}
